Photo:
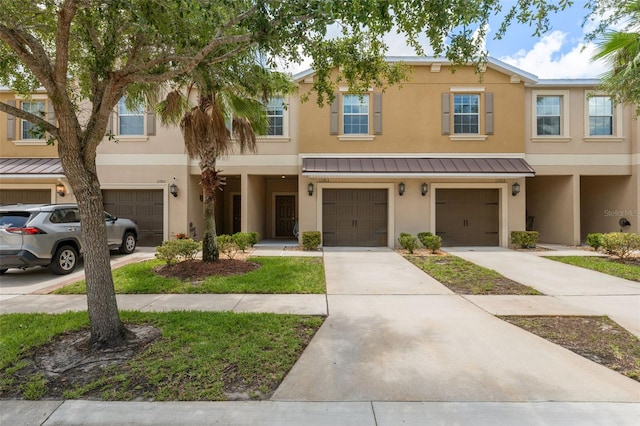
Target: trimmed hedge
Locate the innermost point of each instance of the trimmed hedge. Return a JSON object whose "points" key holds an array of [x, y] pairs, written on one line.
{"points": [[525, 239], [311, 240]]}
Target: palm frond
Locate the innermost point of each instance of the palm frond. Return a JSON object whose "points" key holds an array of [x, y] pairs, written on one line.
{"points": [[173, 107]]}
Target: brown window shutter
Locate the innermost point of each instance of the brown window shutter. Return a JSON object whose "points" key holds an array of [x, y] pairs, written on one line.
{"points": [[488, 113], [446, 114], [151, 123], [335, 112], [377, 113], [11, 123]]}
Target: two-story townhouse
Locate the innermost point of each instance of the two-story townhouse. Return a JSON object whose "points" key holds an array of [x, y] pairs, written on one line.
{"points": [[584, 149]]}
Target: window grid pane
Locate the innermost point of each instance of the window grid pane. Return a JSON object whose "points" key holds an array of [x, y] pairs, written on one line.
{"points": [[131, 121], [28, 128], [355, 114], [466, 114], [275, 116], [600, 116], [548, 111]]}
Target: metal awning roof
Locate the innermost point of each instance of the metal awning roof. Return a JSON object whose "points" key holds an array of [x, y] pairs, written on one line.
{"points": [[30, 166], [416, 167]]}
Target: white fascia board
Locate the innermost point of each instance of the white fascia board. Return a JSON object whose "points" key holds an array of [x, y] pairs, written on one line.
{"points": [[322, 175], [414, 155], [580, 159]]}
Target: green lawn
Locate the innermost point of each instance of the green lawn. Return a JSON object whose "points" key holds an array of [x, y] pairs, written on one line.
{"points": [[465, 277], [602, 264], [200, 356], [278, 275]]}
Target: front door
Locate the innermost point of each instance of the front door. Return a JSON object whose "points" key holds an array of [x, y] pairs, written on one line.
{"points": [[285, 215], [237, 222]]}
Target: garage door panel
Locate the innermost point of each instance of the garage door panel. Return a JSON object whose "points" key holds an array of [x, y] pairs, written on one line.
{"points": [[468, 217], [144, 206], [354, 217], [25, 196]]}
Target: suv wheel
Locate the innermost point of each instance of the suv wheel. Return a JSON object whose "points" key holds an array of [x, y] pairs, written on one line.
{"points": [[64, 261], [128, 243]]}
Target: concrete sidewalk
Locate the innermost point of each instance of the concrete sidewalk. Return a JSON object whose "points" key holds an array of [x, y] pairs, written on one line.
{"points": [[400, 348]]}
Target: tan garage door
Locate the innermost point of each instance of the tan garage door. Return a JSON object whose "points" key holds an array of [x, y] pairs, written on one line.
{"points": [[354, 217], [143, 206], [468, 217], [25, 196]]}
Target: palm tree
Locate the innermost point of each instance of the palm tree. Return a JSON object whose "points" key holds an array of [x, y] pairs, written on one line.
{"points": [[622, 50], [225, 96]]}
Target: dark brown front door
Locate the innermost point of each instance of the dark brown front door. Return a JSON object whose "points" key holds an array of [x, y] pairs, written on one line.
{"points": [[285, 215], [354, 217], [468, 217], [143, 206], [237, 205]]}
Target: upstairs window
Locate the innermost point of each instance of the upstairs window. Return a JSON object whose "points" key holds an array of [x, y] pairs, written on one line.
{"points": [[130, 121], [600, 116], [466, 114], [275, 117], [548, 115], [29, 130], [355, 114]]}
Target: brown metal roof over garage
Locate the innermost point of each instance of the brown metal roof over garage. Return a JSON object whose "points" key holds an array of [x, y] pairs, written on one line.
{"points": [[31, 166], [427, 166]]}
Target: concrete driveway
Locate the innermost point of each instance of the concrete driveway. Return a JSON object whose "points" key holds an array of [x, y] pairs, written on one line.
{"points": [[394, 335]]}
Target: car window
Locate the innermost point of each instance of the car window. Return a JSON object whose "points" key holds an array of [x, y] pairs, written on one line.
{"points": [[13, 219], [70, 215], [57, 216]]}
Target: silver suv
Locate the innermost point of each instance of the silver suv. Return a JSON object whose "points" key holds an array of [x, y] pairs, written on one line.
{"points": [[49, 235]]}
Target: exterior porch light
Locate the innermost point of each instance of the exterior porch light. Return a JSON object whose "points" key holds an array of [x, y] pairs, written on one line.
{"points": [[424, 189], [515, 189], [401, 188], [61, 190], [310, 189], [173, 188]]}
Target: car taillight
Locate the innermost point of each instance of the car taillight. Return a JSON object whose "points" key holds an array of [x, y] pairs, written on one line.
{"points": [[25, 231]]}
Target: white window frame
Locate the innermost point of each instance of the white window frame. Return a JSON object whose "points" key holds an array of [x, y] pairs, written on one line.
{"points": [[465, 114], [285, 123], [343, 114], [565, 116], [24, 123], [617, 134], [470, 90], [30, 141], [117, 127]]}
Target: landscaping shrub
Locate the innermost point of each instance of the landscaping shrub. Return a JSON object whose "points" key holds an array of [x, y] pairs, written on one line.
{"points": [[524, 239], [178, 250], [255, 237], [594, 240], [408, 242], [242, 240], [430, 241], [226, 245], [311, 240], [620, 244]]}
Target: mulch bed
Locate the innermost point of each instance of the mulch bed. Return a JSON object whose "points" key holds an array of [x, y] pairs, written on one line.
{"points": [[193, 270]]}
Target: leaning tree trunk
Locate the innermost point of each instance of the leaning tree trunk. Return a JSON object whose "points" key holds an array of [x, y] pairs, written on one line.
{"points": [[107, 330], [210, 251]]}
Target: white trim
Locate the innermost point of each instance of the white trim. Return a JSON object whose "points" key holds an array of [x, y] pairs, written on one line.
{"points": [[327, 175], [155, 186], [504, 194], [365, 185], [131, 138], [468, 137], [466, 89], [635, 159], [351, 137], [38, 96], [580, 159], [618, 125], [273, 207], [413, 155], [273, 139], [30, 142], [565, 116]]}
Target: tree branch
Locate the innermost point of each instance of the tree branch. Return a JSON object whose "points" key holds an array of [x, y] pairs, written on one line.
{"points": [[32, 118], [65, 16]]}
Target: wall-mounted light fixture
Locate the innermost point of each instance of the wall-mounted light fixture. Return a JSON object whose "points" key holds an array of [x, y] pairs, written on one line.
{"points": [[515, 189], [401, 188], [424, 189], [61, 190], [173, 188], [624, 222], [310, 189]]}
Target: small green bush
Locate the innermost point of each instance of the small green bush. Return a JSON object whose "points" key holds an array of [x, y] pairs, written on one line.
{"points": [[524, 239], [430, 241], [620, 244], [311, 240], [226, 245], [242, 240], [178, 250], [408, 242], [594, 240], [255, 237]]}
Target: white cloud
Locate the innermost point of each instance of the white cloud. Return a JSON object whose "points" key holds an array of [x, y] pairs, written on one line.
{"points": [[546, 60]]}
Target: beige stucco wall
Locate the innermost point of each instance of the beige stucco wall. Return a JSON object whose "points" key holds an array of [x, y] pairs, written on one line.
{"points": [[604, 201], [550, 199]]}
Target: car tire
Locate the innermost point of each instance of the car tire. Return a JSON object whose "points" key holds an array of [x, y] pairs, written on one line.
{"points": [[2, 271], [64, 261], [128, 243]]}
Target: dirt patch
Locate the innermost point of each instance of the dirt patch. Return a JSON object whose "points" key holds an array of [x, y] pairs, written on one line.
{"points": [[596, 338], [196, 270]]}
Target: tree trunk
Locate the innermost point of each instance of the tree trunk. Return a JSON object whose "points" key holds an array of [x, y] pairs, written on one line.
{"points": [[107, 330], [210, 251]]}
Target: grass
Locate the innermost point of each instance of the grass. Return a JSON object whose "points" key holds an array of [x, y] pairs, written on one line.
{"points": [[602, 264], [200, 356], [278, 275], [464, 277]]}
